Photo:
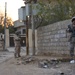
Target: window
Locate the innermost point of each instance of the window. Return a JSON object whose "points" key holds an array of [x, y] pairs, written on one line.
{"points": [[24, 31]]}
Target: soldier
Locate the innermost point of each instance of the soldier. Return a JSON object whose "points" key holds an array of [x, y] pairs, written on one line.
{"points": [[71, 29], [17, 46]]}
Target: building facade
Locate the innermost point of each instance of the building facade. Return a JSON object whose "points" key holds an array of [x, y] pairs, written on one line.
{"points": [[20, 27]]}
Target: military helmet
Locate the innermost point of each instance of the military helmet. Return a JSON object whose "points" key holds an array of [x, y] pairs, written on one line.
{"points": [[73, 18]]}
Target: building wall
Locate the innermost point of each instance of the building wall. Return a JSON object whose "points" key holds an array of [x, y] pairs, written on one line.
{"points": [[20, 29], [18, 23], [7, 38], [52, 38]]}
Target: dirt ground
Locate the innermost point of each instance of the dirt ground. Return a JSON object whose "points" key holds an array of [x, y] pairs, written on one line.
{"points": [[17, 67]]}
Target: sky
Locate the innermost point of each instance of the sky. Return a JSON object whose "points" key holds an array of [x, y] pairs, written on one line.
{"points": [[12, 7]]}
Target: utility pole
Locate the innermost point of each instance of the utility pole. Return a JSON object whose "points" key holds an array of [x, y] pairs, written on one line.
{"points": [[27, 41], [5, 26], [33, 30], [24, 18], [32, 23], [26, 22]]}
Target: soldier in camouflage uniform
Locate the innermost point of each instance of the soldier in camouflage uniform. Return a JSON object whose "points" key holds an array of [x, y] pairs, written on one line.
{"points": [[17, 46], [71, 29]]}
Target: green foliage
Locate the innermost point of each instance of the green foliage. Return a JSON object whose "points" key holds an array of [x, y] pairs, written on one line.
{"points": [[53, 11], [11, 29]]}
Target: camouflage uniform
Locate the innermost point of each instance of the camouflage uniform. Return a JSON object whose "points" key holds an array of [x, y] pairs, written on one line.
{"points": [[71, 29], [17, 47], [72, 45]]}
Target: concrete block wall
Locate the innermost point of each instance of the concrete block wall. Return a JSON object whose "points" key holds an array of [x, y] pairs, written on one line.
{"points": [[52, 38]]}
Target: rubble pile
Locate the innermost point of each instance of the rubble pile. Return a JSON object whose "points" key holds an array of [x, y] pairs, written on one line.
{"points": [[48, 63], [26, 60]]}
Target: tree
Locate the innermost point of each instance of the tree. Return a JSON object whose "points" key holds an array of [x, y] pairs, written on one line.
{"points": [[11, 29], [8, 19], [43, 16], [9, 22], [51, 11]]}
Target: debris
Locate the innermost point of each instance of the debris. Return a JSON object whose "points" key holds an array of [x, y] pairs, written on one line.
{"points": [[18, 63], [23, 62], [43, 63], [26, 60], [54, 61], [72, 61], [61, 73]]}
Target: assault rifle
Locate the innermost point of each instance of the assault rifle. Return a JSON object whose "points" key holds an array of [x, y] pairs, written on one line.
{"points": [[69, 29]]}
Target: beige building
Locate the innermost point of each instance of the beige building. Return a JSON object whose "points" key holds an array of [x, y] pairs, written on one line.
{"points": [[21, 28]]}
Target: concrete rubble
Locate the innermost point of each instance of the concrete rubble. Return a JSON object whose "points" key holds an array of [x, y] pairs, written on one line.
{"points": [[26, 60]]}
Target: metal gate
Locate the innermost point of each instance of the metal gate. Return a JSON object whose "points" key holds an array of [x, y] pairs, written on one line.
{"points": [[11, 41]]}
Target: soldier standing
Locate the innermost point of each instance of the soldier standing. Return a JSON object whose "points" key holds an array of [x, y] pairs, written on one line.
{"points": [[71, 29], [17, 46]]}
